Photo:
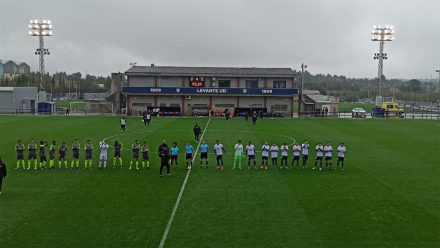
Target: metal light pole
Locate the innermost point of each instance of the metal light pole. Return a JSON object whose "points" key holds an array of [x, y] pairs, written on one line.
{"points": [[381, 34], [438, 90], [41, 28], [303, 66]]}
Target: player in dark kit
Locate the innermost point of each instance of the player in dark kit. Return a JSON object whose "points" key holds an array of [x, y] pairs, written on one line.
{"points": [[52, 151], [135, 148], [254, 118], [32, 149], [3, 173], [43, 157], [75, 154], [197, 130], [62, 155], [89, 153], [145, 155], [164, 154], [117, 154], [19, 148]]}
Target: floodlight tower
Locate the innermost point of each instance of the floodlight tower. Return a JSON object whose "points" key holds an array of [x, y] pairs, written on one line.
{"points": [[381, 34], [41, 28]]}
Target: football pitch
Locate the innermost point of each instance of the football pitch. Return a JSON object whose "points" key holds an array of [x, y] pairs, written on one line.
{"points": [[387, 196]]}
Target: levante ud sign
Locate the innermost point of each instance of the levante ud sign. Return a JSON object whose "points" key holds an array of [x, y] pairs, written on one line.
{"points": [[209, 91]]}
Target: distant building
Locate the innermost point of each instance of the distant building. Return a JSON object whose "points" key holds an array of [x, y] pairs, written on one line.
{"points": [[18, 99], [313, 103], [11, 69]]}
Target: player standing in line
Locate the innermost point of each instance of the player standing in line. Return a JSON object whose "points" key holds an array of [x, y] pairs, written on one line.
{"points": [[103, 148], [197, 130], [123, 123], [264, 155], [296, 150], [319, 153], [238, 154], [204, 148], [135, 148], [145, 155], [254, 118], [328, 149], [42, 154], [52, 151], [32, 156], [174, 154], [75, 154], [117, 154], [164, 154], [250, 151], [219, 150], [19, 148], [284, 154], [89, 153], [305, 153], [62, 155], [189, 150], [341, 155], [274, 155]]}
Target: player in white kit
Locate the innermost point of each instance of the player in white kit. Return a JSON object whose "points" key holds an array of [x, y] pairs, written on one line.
{"points": [[341, 155], [328, 149], [103, 147], [284, 154], [305, 152], [274, 155], [319, 153], [264, 155], [296, 151], [219, 150], [250, 151]]}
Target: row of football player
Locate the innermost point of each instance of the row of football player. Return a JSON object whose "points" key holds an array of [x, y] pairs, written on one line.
{"points": [[174, 151]]}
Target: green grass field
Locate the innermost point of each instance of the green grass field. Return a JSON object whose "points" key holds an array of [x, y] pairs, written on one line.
{"points": [[388, 196]]}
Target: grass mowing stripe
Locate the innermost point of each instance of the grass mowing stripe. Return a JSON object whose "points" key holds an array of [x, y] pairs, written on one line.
{"points": [[170, 221]]}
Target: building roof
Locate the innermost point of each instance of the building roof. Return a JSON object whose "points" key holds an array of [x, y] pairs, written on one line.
{"points": [[322, 98], [210, 71]]}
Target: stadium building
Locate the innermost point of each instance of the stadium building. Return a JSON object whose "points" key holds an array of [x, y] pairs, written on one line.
{"points": [[203, 90]]}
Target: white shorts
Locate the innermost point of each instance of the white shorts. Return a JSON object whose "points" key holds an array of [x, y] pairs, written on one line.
{"points": [[103, 157]]}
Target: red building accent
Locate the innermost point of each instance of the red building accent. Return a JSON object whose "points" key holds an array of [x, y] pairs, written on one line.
{"points": [[210, 102], [156, 81], [265, 102], [183, 105], [155, 101], [238, 101], [265, 84]]}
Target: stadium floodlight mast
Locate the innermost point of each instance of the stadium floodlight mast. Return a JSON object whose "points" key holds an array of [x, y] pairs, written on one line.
{"points": [[381, 34], [41, 28]]}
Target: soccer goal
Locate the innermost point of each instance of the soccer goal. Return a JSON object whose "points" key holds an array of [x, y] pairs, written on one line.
{"points": [[77, 107], [99, 107]]}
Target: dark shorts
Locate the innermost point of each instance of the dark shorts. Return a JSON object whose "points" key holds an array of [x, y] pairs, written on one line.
{"points": [[250, 157], [43, 158], [296, 157], [305, 157], [341, 158], [123, 127], [145, 156], [264, 157], [283, 157], [62, 156], [204, 155], [88, 156], [32, 156], [117, 154], [51, 156], [173, 157], [219, 157], [75, 155], [189, 156], [135, 156], [318, 157], [20, 156], [328, 158]]}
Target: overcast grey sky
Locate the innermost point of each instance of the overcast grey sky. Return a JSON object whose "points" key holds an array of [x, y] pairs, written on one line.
{"points": [[331, 36]]}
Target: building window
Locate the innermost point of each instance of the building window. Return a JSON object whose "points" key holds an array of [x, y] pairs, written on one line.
{"points": [[224, 83], [256, 105], [252, 84], [277, 108], [163, 105], [279, 84], [223, 105], [175, 105]]}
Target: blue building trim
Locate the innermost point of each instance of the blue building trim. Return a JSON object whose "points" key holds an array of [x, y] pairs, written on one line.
{"points": [[210, 91]]}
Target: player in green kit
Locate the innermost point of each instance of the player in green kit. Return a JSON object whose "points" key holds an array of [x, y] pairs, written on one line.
{"points": [[32, 156], [89, 153], [135, 147], [19, 148], [145, 155], [75, 154], [238, 154], [43, 158], [62, 155], [117, 154], [52, 150]]}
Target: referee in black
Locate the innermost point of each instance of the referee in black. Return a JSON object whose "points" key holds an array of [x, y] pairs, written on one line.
{"points": [[164, 154], [197, 130], [2, 173]]}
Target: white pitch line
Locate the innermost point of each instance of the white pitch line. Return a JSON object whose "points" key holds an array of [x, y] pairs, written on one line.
{"points": [[173, 213]]}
